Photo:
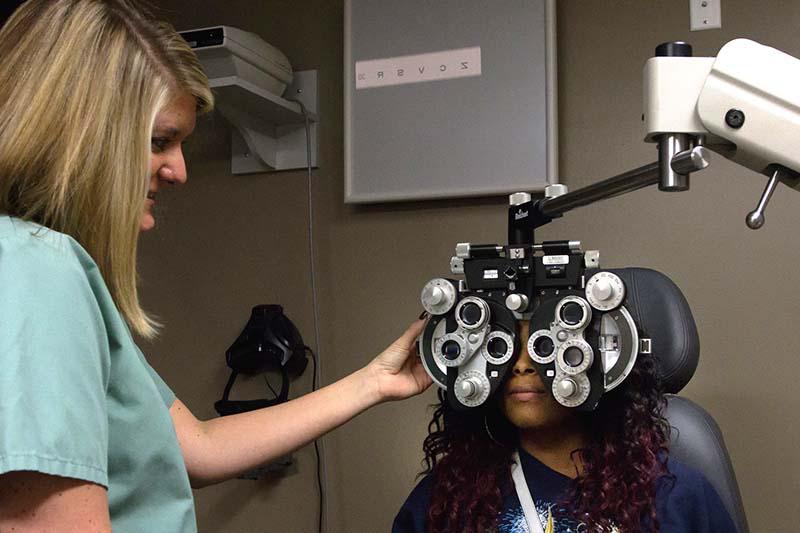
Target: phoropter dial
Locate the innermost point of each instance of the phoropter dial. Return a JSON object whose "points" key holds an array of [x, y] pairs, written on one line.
{"points": [[438, 296], [574, 356], [498, 347], [573, 313], [472, 388], [472, 313], [571, 391], [605, 291], [451, 349], [542, 347]]}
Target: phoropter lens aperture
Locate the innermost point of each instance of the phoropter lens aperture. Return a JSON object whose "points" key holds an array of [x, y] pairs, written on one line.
{"points": [[497, 347], [573, 356], [471, 314], [572, 313], [543, 346], [451, 350]]}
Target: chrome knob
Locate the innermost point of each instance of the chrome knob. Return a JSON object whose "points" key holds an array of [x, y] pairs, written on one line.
{"points": [[567, 388], [438, 296], [555, 190], [435, 296], [519, 198], [469, 388], [602, 290], [517, 302]]}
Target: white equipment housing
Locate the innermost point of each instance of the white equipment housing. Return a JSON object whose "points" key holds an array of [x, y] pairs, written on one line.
{"points": [[692, 95], [249, 78], [226, 51]]}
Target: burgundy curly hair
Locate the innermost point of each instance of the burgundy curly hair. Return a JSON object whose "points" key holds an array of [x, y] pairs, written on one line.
{"points": [[624, 457]]}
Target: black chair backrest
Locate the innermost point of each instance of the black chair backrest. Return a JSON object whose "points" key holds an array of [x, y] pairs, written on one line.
{"points": [[660, 310]]}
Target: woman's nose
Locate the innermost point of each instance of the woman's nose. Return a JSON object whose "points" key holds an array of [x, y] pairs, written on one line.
{"points": [[174, 171]]}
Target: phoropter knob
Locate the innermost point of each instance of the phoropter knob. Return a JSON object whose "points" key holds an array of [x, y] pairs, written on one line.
{"points": [[438, 296], [567, 388], [605, 291], [469, 388], [472, 388], [602, 290], [571, 391], [517, 302]]}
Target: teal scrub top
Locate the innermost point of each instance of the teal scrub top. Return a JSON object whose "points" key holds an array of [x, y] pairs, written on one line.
{"points": [[77, 398]]}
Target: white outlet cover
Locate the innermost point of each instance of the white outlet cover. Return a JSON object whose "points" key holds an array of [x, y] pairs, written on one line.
{"points": [[705, 14]]}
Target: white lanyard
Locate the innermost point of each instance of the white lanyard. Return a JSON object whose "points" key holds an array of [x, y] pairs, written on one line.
{"points": [[524, 495]]}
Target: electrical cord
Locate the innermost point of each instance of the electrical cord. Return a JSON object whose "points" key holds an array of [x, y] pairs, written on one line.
{"points": [[321, 470], [316, 444]]}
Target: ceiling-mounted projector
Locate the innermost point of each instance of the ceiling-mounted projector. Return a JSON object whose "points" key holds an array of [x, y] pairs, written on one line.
{"points": [[225, 51]]}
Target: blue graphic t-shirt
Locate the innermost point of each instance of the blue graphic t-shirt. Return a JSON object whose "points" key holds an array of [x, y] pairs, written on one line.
{"points": [[687, 504]]}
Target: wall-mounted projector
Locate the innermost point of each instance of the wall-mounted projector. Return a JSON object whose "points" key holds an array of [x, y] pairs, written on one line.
{"points": [[226, 51], [249, 78]]}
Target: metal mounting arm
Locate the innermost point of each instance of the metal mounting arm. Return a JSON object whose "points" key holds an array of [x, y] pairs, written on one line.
{"points": [[682, 163], [526, 215]]}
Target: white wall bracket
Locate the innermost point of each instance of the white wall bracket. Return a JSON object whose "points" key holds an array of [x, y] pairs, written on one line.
{"points": [[268, 132]]}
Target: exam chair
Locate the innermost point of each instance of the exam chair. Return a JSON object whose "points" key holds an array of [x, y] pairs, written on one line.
{"points": [[661, 311]]}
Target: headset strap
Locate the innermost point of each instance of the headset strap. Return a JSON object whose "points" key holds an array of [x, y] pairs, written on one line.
{"points": [[524, 495], [228, 407]]}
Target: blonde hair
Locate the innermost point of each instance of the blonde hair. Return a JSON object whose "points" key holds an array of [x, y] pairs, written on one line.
{"points": [[81, 82]]}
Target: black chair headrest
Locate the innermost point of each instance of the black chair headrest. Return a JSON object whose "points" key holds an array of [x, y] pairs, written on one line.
{"points": [[662, 314]]}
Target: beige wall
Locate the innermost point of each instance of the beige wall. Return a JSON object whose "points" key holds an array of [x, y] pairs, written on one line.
{"points": [[226, 243]]}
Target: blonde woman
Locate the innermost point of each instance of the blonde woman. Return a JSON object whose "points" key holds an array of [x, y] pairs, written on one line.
{"points": [[95, 100]]}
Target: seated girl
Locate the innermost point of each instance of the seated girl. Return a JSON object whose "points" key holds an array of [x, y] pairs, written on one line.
{"points": [[604, 471]]}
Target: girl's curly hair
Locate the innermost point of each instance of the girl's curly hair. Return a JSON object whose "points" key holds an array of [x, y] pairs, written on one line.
{"points": [[624, 456]]}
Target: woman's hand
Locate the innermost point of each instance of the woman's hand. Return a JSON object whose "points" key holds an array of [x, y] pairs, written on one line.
{"points": [[397, 372]]}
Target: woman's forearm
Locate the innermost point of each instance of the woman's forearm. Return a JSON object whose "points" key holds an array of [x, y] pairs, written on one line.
{"points": [[227, 446], [224, 447]]}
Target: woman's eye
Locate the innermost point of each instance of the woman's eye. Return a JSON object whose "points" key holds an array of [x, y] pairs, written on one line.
{"points": [[158, 144]]}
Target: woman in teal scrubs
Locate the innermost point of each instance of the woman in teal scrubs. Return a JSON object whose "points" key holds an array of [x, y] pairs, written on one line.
{"points": [[96, 98]]}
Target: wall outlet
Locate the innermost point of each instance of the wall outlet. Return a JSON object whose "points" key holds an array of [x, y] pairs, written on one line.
{"points": [[705, 14]]}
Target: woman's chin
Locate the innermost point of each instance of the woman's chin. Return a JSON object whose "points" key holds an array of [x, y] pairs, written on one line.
{"points": [[147, 222]]}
